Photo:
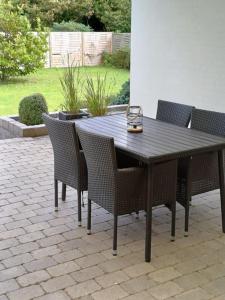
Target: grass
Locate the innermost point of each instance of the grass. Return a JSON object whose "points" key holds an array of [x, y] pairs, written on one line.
{"points": [[46, 82]]}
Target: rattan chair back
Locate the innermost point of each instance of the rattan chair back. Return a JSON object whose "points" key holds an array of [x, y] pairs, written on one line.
{"points": [[174, 113], [208, 121], [100, 156], [66, 150]]}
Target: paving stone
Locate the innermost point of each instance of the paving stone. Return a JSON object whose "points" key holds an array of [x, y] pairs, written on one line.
{"points": [[52, 240], [36, 227], [111, 279], [139, 269], [90, 260], [139, 296], [196, 294], [24, 248], [17, 260], [111, 293], [8, 285], [54, 296], [165, 290], [33, 278], [40, 264], [67, 256], [191, 281], [12, 273], [87, 273], [8, 243], [62, 269], [215, 287], [164, 275], [191, 268], [83, 289], [26, 293], [57, 283], [30, 237], [43, 252], [5, 254]]}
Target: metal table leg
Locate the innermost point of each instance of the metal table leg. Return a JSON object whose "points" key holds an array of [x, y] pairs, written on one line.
{"points": [[149, 213], [222, 186]]}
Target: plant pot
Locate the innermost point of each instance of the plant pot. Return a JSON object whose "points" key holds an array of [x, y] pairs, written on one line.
{"points": [[65, 116]]}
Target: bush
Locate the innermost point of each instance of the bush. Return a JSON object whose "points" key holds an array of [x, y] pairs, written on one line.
{"points": [[31, 109], [21, 51], [124, 96], [71, 26], [118, 59]]}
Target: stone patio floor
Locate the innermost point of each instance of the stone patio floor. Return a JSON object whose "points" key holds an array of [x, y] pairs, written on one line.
{"points": [[45, 255]]}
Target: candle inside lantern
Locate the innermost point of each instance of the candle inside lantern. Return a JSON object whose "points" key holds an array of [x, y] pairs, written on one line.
{"points": [[134, 119]]}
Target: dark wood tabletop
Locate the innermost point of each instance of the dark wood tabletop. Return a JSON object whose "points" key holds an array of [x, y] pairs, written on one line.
{"points": [[158, 142]]}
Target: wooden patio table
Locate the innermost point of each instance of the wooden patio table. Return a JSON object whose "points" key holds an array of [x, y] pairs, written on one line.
{"points": [[159, 142]]}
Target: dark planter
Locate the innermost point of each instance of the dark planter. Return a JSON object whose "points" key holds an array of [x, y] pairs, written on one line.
{"points": [[65, 116]]}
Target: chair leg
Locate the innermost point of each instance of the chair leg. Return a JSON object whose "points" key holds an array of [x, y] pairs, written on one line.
{"points": [[79, 207], [115, 235], [56, 194], [137, 215], [82, 193], [63, 192], [89, 218], [173, 223]]}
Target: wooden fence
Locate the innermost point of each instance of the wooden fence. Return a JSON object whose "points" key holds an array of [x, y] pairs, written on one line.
{"points": [[84, 48]]}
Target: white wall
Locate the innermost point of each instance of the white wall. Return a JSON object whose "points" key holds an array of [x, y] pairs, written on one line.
{"points": [[178, 53]]}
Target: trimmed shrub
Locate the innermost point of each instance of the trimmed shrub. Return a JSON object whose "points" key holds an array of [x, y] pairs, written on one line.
{"points": [[70, 26], [118, 59], [124, 96], [31, 109]]}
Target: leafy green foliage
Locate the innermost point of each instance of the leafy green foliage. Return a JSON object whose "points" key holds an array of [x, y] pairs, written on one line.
{"points": [[71, 26], [114, 15], [118, 59], [124, 95], [97, 95], [31, 109], [71, 84], [21, 51]]}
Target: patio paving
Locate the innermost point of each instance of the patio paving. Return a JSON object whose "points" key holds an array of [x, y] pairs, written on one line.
{"points": [[45, 255]]}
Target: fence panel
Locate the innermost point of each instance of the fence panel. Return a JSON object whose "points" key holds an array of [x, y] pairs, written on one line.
{"points": [[64, 45], [94, 44], [83, 48], [120, 40]]}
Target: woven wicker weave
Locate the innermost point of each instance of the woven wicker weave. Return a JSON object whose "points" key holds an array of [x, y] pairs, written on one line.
{"points": [[69, 161], [204, 168], [122, 191], [174, 113]]}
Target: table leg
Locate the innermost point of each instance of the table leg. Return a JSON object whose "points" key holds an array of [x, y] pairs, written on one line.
{"points": [[222, 186], [149, 213], [188, 196]]}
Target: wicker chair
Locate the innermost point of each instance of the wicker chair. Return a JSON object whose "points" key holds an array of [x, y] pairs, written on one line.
{"points": [[69, 161], [121, 191], [200, 174], [174, 113]]}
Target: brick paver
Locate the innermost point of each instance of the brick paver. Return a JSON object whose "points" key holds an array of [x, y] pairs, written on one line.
{"points": [[45, 255]]}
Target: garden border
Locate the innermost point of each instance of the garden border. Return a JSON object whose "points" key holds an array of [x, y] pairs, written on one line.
{"points": [[17, 129]]}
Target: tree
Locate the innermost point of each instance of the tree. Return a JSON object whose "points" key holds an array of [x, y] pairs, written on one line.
{"points": [[21, 50], [109, 15], [114, 14]]}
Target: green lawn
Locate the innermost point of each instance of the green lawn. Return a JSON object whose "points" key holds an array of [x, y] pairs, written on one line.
{"points": [[46, 81]]}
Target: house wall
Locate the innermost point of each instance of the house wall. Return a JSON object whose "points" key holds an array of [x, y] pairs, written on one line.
{"points": [[178, 53]]}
